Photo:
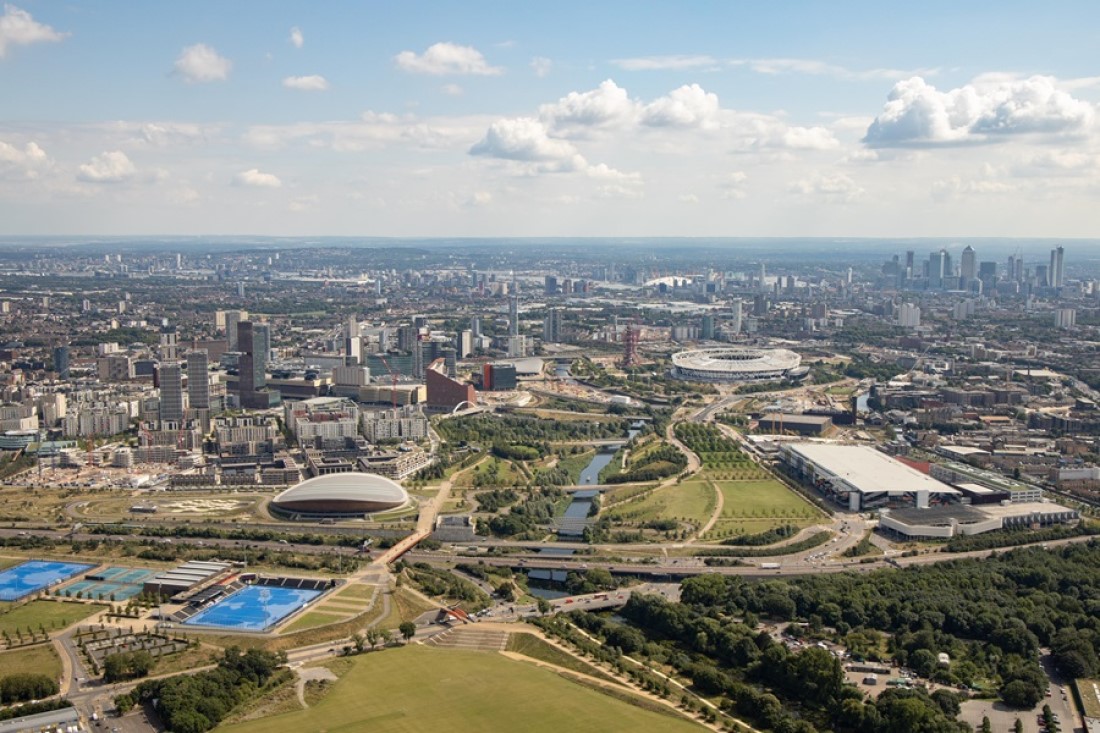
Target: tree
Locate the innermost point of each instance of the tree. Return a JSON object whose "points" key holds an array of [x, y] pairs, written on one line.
{"points": [[373, 637], [407, 630], [386, 635], [1019, 727], [1021, 694], [543, 606], [360, 643], [986, 725]]}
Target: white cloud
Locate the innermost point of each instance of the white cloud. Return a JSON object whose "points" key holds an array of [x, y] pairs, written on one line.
{"points": [[816, 67], [829, 188], [991, 107], [200, 64], [606, 106], [690, 106], [481, 198], [452, 90], [665, 63], [688, 198], [1058, 163], [303, 203], [296, 38], [442, 59], [955, 187], [313, 83], [18, 28], [732, 185], [109, 167], [526, 140], [374, 130], [255, 179], [21, 164], [541, 66]]}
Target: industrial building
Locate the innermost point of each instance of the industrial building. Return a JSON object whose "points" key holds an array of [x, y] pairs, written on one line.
{"points": [[949, 521], [786, 424], [860, 478]]}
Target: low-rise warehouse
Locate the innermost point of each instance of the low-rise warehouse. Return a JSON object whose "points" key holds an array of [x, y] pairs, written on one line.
{"points": [[949, 521], [860, 478]]}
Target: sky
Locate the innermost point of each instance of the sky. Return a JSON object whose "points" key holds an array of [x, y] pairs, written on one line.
{"points": [[619, 119]]}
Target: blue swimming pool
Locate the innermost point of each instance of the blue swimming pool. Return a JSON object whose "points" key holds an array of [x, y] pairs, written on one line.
{"points": [[253, 608], [34, 575]]}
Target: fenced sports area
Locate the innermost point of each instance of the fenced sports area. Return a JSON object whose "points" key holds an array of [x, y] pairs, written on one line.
{"points": [[254, 608], [111, 584], [34, 575]]}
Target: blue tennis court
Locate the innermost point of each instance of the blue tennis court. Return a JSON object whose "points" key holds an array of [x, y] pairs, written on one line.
{"points": [[34, 575], [254, 608], [110, 584]]}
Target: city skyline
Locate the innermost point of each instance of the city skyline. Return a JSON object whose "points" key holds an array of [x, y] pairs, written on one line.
{"points": [[720, 121]]}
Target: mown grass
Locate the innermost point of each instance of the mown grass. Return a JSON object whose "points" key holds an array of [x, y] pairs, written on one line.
{"points": [[421, 688], [691, 501], [51, 615], [532, 646], [40, 659]]}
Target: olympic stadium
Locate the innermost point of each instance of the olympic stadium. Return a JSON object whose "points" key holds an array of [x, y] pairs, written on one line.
{"points": [[341, 495], [735, 364]]}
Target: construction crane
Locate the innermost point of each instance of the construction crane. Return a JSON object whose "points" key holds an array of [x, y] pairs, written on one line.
{"points": [[393, 383]]}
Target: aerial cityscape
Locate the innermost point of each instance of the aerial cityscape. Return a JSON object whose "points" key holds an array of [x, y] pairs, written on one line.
{"points": [[350, 382]]}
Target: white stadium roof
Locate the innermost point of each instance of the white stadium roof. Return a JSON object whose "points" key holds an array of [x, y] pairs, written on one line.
{"points": [[345, 487], [734, 363]]}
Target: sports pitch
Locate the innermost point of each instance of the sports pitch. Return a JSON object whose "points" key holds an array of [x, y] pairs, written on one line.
{"points": [[34, 575], [253, 608], [420, 688]]}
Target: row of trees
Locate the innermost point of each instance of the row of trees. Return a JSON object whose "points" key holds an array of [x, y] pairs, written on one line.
{"points": [[24, 686]]}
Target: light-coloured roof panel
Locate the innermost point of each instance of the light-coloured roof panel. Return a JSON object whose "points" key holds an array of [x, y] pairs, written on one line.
{"points": [[351, 486], [868, 470]]}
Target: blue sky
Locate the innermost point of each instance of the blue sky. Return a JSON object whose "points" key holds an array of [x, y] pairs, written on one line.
{"points": [[482, 119]]}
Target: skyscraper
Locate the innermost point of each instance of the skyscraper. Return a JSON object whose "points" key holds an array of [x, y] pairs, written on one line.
{"points": [[551, 326], [513, 316], [969, 269], [170, 377], [168, 343], [937, 269], [253, 340], [61, 361], [232, 318], [198, 379], [1057, 272], [735, 316]]}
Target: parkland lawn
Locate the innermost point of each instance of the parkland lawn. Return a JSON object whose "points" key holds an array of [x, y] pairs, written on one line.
{"points": [[418, 688]]}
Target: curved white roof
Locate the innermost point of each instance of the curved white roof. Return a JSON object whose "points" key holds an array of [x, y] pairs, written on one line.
{"points": [[736, 360], [353, 487]]}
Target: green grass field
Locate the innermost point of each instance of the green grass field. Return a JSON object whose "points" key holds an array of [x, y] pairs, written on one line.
{"points": [[532, 646], [693, 501], [756, 506], [420, 688], [53, 615], [41, 659], [313, 619]]}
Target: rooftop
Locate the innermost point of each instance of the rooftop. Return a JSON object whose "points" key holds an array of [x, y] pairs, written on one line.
{"points": [[868, 470]]}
